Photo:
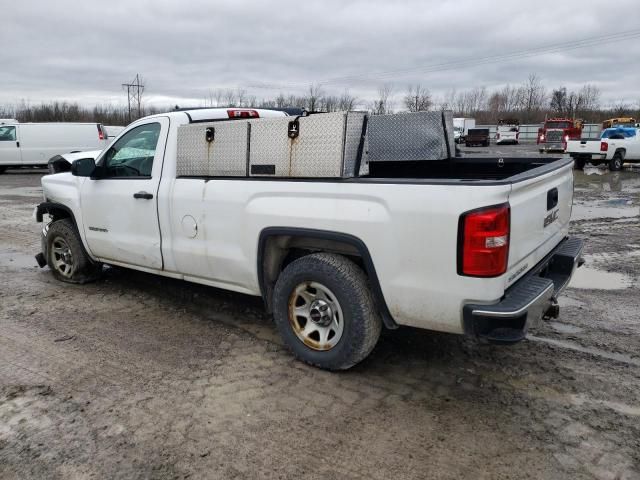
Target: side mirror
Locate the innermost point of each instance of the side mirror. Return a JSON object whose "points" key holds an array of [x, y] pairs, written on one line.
{"points": [[83, 167]]}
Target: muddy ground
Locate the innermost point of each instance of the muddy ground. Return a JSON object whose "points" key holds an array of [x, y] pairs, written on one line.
{"points": [[139, 377]]}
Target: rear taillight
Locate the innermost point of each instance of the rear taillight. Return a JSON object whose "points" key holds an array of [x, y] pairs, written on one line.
{"points": [[242, 113], [566, 138], [101, 135], [604, 146], [483, 241]]}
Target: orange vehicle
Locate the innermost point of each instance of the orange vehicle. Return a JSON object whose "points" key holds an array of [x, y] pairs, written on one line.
{"points": [[556, 132]]}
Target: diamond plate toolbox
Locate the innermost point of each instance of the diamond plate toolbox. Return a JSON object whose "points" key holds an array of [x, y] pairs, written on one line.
{"points": [[409, 137], [324, 145], [226, 155]]}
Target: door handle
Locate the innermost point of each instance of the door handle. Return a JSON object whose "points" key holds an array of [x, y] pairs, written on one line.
{"points": [[145, 195]]}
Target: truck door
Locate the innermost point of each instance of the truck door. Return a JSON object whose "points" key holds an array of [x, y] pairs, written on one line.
{"points": [[119, 209], [9, 146]]}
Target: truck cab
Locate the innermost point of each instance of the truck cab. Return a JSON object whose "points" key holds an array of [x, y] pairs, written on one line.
{"points": [[556, 132]]}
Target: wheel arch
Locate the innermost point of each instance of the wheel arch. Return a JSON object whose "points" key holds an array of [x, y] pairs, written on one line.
{"points": [[622, 151], [57, 210], [276, 245]]}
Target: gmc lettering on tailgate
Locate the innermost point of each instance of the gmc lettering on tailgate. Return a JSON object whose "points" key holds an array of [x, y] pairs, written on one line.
{"points": [[552, 217]]}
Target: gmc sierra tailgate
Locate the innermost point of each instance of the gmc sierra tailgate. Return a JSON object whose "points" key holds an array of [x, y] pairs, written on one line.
{"points": [[540, 214]]}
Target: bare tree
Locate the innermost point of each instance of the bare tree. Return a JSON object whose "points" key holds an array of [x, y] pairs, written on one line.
{"points": [[314, 97], [229, 98], [558, 101], [534, 96], [347, 102], [241, 97], [384, 103], [281, 101], [417, 98]]}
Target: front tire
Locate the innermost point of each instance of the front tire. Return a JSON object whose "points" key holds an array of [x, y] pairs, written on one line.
{"points": [[616, 162], [325, 311], [66, 255]]}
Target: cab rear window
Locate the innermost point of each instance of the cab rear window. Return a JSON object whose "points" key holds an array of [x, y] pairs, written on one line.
{"points": [[619, 133]]}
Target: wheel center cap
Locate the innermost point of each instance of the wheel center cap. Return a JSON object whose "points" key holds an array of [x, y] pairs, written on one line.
{"points": [[321, 313]]}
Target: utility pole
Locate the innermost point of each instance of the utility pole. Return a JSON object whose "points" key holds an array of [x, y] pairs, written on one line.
{"points": [[134, 95]]}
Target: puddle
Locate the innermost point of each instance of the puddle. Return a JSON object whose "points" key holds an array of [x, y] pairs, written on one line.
{"points": [[564, 327], [21, 192], [618, 357], [565, 301], [590, 278], [605, 209], [598, 180], [17, 260]]}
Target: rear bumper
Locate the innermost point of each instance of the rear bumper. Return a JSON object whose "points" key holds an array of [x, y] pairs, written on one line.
{"points": [[529, 300], [599, 157]]}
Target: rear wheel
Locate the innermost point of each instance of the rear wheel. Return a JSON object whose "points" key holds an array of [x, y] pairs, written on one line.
{"points": [[325, 311], [616, 162], [2, 169], [579, 163], [66, 255]]}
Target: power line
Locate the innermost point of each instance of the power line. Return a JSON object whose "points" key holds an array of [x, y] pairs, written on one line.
{"points": [[469, 62], [134, 95]]}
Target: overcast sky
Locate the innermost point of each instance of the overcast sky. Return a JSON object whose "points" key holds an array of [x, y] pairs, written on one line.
{"points": [[83, 51]]}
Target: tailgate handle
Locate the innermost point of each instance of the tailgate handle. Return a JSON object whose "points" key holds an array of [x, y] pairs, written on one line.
{"points": [[552, 198]]}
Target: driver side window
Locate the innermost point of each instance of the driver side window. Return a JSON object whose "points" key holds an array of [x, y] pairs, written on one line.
{"points": [[132, 155]]}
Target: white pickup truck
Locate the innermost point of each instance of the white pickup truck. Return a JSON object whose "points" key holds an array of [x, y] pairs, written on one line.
{"points": [[616, 146], [474, 246]]}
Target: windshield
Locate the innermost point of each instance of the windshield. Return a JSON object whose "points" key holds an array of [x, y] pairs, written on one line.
{"points": [[562, 125]]}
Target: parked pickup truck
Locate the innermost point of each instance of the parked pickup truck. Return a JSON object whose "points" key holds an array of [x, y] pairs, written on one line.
{"points": [[477, 136], [615, 147], [475, 246]]}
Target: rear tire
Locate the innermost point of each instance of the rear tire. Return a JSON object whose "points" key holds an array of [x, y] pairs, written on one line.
{"points": [[325, 311], [616, 162], [66, 255], [2, 169], [579, 163]]}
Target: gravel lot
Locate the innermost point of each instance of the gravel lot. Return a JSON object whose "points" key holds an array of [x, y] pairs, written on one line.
{"points": [[140, 377]]}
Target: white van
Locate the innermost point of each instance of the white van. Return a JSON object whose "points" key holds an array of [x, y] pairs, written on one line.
{"points": [[33, 144]]}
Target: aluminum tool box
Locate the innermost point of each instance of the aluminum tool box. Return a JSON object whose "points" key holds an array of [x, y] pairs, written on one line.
{"points": [[323, 145], [410, 137], [216, 149]]}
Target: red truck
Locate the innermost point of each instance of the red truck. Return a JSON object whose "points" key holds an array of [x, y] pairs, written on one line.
{"points": [[556, 132]]}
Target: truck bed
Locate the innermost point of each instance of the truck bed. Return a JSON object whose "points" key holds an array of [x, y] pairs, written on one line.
{"points": [[480, 169]]}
